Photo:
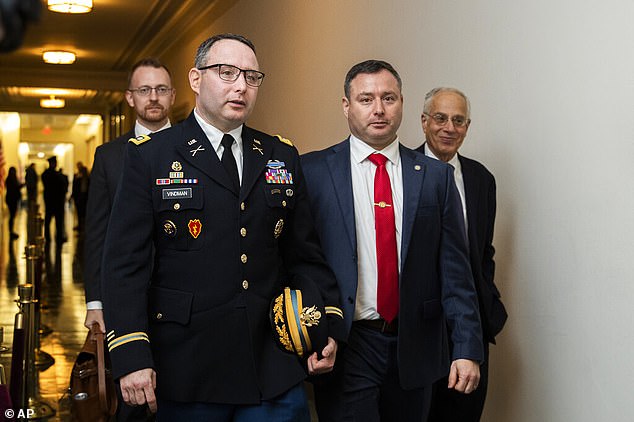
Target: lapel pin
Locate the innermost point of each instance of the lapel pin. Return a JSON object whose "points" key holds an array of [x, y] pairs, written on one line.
{"points": [[258, 149], [257, 142], [198, 148], [193, 141], [176, 166]]}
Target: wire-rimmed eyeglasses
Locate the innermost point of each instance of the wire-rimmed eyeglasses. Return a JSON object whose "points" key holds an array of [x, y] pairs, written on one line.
{"points": [[144, 91], [442, 119]]}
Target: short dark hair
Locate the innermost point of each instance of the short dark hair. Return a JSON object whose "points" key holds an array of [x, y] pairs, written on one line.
{"points": [[147, 62], [369, 66], [203, 48]]}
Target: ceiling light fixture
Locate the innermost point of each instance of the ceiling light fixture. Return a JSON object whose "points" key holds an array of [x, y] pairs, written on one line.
{"points": [[58, 57], [70, 6], [52, 102]]}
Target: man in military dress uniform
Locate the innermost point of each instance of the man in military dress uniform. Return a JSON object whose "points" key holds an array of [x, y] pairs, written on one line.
{"points": [[151, 95], [225, 207]]}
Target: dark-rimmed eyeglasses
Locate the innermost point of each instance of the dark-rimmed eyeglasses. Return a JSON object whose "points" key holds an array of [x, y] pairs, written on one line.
{"points": [[230, 73], [442, 119], [144, 91]]}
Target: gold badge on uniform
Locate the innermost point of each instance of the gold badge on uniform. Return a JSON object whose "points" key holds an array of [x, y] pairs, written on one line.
{"points": [[195, 227], [278, 228], [169, 228], [176, 166]]}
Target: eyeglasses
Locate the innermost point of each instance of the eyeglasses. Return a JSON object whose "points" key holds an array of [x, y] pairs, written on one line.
{"points": [[145, 91], [231, 73], [442, 119]]}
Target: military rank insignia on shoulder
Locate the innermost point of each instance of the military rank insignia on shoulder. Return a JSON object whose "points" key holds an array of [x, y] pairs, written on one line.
{"points": [[139, 139], [284, 140]]}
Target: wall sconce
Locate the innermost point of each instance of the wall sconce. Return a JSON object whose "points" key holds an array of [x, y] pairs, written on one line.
{"points": [[52, 102], [70, 6], [58, 57]]}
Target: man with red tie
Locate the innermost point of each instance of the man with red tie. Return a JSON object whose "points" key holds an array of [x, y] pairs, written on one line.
{"points": [[390, 224]]}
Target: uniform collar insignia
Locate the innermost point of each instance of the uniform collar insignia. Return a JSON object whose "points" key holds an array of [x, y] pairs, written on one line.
{"points": [[194, 151]]}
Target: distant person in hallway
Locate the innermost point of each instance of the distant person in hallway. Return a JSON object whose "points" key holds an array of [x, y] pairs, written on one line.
{"points": [[31, 179], [446, 119], [151, 95], [390, 224], [209, 223], [55, 187], [13, 196], [79, 194]]}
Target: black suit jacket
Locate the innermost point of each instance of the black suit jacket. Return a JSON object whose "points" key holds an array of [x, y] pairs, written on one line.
{"points": [[480, 198], [105, 174], [479, 185], [197, 309]]}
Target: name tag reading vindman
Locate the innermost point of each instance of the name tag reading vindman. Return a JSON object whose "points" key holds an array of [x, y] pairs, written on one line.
{"points": [[177, 193]]}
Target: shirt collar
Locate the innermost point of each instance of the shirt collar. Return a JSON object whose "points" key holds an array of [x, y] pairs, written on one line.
{"points": [[455, 162], [215, 135], [360, 151], [139, 129]]}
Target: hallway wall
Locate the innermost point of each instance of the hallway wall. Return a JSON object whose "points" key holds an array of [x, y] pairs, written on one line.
{"points": [[551, 85]]}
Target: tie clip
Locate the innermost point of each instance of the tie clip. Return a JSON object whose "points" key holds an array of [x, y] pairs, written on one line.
{"points": [[382, 204]]}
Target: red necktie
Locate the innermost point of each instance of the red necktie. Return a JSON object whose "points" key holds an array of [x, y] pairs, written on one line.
{"points": [[386, 255]]}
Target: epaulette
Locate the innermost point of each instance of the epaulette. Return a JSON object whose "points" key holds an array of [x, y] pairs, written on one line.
{"points": [[284, 140], [139, 139]]}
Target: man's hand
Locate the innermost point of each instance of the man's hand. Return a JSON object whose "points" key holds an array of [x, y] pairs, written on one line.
{"points": [[321, 366], [137, 388], [464, 376], [95, 315]]}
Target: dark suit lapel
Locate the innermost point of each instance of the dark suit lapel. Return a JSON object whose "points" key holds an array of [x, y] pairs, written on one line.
{"points": [[472, 194], [196, 150], [341, 175], [255, 155], [414, 170]]}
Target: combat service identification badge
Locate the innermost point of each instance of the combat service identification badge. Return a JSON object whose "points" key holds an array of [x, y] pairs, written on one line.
{"points": [[195, 227]]}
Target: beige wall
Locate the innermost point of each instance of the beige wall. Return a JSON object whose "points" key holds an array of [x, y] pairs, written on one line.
{"points": [[551, 85]]}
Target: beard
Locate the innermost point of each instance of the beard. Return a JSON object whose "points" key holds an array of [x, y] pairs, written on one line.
{"points": [[153, 113]]}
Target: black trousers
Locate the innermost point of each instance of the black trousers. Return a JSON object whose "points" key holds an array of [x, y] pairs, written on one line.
{"points": [[365, 385], [451, 406], [56, 212]]}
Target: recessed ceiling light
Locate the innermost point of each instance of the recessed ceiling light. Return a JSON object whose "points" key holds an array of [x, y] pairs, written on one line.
{"points": [[70, 6], [58, 57], [52, 102]]}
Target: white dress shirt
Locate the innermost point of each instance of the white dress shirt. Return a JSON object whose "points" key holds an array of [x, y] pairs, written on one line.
{"points": [[457, 175], [215, 136], [363, 191], [139, 129]]}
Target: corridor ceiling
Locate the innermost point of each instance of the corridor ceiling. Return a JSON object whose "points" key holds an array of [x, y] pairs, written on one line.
{"points": [[107, 42]]}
